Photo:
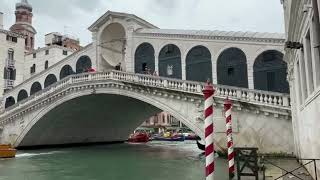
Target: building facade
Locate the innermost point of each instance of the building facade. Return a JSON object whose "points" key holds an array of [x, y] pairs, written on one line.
{"points": [[19, 59], [12, 59], [302, 55]]}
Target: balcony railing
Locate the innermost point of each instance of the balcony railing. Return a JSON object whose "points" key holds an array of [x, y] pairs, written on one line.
{"points": [[10, 62], [8, 84]]}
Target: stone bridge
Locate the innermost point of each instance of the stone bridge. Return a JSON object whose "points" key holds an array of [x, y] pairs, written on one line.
{"points": [[108, 106]]}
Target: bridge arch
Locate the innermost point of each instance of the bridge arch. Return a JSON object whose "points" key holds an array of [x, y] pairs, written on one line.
{"points": [[199, 64], [65, 71], [144, 58], [10, 101], [112, 42], [232, 68], [270, 72], [50, 79], [170, 62], [141, 100], [83, 64], [35, 87], [23, 94]]}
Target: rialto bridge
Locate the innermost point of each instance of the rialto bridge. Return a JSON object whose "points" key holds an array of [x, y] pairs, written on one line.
{"points": [[65, 105]]}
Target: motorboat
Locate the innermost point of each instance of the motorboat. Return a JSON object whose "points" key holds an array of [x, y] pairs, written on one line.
{"points": [[168, 137], [138, 137]]}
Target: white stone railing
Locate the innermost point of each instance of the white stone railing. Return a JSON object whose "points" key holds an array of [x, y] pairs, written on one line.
{"points": [[277, 100]]}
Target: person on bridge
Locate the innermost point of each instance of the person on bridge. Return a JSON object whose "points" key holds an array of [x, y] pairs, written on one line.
{"points": [[118, 67]]}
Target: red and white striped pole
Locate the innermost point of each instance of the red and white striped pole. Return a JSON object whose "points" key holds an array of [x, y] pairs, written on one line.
{"points": [[227, 109], [208, 93]]}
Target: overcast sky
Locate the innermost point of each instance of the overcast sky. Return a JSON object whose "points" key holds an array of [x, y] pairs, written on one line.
{"points": [[75, 16]]}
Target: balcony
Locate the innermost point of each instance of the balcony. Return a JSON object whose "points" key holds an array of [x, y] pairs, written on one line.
{"points": [[8, 84], [10, 62]]}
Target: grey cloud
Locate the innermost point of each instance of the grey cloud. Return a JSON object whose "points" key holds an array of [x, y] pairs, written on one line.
{"points": [[235, 15]]}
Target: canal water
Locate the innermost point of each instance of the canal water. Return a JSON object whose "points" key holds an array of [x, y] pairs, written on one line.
{"points": [[152, 161]]}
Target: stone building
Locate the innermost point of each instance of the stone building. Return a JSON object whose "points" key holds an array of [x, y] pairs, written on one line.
{"points": [[18, 58], [302, 55]]}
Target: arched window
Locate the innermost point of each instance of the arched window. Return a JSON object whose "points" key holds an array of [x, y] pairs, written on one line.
{"points": [[23, 94], [232, 68], [10, 102], [198, 64], [11, 54], [170, 62], [270, 72], [46, 65], [83, 64], [144, 58], [36, 87], [65, 71], [50, 79]]}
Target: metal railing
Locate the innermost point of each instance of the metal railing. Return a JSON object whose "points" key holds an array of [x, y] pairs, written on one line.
{"points": [[8, 84], [10, 63]]}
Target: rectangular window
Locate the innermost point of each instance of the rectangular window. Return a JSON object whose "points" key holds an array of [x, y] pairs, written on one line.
{"points": [[64, 52], [11, 38], [308, 63], [14, 39], [47, 51], [34, 55], [11, 54]]}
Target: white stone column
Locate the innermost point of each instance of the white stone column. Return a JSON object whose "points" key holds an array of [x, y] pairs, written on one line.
{"points": [[308, 65], [314, 37], [183, 67], [129, 52], [156, 62], [214, 59], [250, 63]]}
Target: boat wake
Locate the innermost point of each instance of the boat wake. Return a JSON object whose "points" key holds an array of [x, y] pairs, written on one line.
{"points": [[36, 154]]}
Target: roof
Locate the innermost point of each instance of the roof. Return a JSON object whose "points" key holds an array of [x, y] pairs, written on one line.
{"points": [[11, 33], [49, 47], [105, 17], [248, 34]]}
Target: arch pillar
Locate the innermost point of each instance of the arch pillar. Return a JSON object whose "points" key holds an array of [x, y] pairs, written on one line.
{"points": [[183, 69], [214, 68], [250, 63], [129, 51]]}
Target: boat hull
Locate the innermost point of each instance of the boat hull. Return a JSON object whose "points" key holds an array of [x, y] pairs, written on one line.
{"points": [[139, 138], [7, 153], [168, 139]]}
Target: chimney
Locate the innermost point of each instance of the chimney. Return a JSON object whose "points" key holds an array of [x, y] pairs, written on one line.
{"points": [[1, 20]]}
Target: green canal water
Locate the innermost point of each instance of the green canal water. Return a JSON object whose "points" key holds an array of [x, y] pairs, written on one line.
{"points": [[152, 161]]}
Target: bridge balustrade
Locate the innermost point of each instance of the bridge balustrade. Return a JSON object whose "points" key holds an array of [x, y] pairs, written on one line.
{"points": [[277, 100]]}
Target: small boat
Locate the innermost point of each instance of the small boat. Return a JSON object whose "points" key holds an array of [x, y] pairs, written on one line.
{"points": [[181, 138], [139, 137], [177, 137], [191, 136], [201, 146], [7, 151]]}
